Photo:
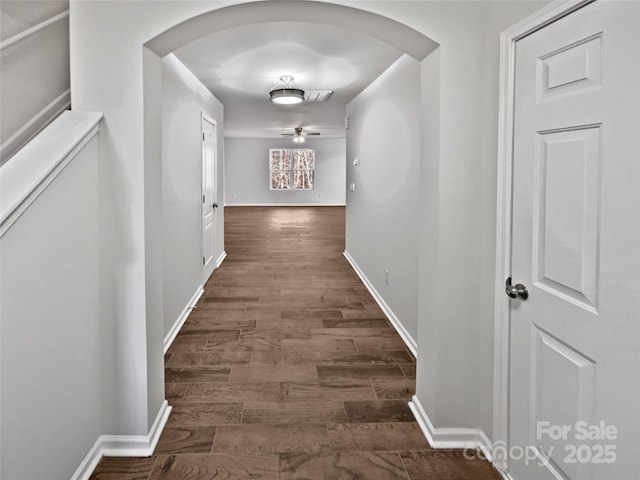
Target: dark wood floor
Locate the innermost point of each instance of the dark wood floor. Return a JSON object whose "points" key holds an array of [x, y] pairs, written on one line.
{"points": [[287, 369]]}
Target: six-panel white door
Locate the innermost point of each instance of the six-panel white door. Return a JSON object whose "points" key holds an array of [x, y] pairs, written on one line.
{"points": [[575, 342], [209, 205]]}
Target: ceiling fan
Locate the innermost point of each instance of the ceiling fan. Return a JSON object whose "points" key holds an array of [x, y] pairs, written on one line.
{"points": [[298, 134]]}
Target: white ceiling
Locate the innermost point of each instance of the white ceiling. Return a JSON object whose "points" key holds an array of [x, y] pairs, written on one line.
{"points": [[240, 65]]}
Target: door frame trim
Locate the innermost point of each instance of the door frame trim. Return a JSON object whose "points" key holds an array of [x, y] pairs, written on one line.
{"points": [[206, 118], [508, 39]]}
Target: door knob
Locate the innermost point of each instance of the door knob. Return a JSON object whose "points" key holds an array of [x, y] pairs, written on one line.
{"points": [[517, 290], [215, 205]]}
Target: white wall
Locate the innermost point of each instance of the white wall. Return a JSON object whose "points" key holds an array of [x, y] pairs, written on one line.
{"points": [[50, 322], [184, 99], [457, 248], [132, 389], [247, 172], [382, 231]]}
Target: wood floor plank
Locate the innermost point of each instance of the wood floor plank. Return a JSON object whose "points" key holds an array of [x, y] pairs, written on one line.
{"points": [[354, 390], [174, 392], [355, 313], [123, 468], [303, 323], [446, 465], [222, 307], [276, 333], [347, 373], [180, 345], [385, 357], [377, 344], [233, 392], [321, 345], [228, 299], [306, 313], [208, 334], [355, 323], [246, 345], [261, 291], [196, 374], [274, 373], [257, 315], [377, 436], [208, 359], [185, 439], [394, 389], [205, 414], [295, 357], [295, 412], [271, 439], [352, 332], [218, 466], [204, 323], [336, 465], [378, 411], [409, 371]]}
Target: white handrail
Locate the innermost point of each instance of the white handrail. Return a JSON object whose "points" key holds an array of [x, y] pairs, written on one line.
{"points": [[26, 175]]}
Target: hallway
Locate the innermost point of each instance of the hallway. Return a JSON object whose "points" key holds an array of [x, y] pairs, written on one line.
{"points": [[287, 369]]}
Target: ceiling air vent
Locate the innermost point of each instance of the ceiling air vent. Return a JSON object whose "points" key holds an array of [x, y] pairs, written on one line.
{"points": [[318, 96]]}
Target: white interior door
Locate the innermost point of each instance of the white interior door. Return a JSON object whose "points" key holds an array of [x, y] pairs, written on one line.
{"points": [[575, 342], [209, 204]]}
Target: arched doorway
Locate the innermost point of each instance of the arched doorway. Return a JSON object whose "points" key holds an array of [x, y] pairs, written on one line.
{"points": [[130, 147], [404, 38]]}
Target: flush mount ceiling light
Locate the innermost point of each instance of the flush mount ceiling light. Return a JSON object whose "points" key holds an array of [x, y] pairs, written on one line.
{"points": [[286, 92]]}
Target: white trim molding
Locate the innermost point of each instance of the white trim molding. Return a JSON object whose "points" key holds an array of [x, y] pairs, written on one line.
{"points": [[32, 30], [36, 124], [508, 40], [137, 445], [461, 438], [28, 173], [89, 463], [175, 329], [221, 258], [123, 445], [395, 321], [473, 438]]}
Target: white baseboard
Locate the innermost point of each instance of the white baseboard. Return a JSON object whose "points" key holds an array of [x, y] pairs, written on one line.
{"points": [[90, 462], [137, 445], [284, 204], [404, 334], [171, 335], [448, 437], [464, 438], [123, 445], [221, 258]]}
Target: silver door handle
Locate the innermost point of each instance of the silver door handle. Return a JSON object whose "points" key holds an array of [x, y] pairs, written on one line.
{"points": [[517, 290]]}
